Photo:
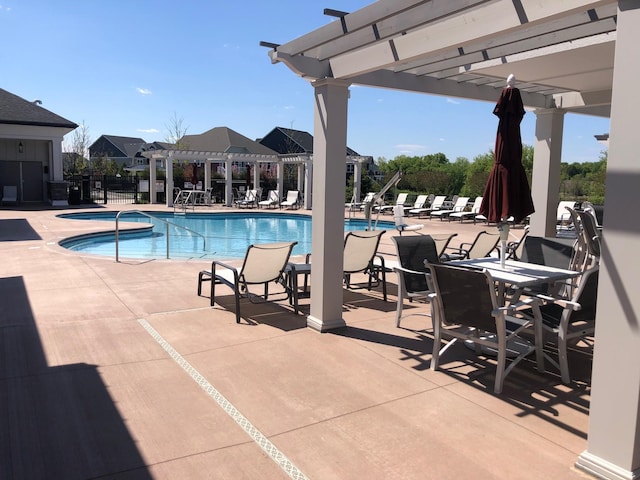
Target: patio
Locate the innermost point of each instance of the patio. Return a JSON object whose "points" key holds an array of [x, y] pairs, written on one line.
{"points": [[121, 370]]}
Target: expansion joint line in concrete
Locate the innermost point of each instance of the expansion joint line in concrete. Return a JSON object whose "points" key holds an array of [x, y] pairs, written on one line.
{"points": [[263, 442]]}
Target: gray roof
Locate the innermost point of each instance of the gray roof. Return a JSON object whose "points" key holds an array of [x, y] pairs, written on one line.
{"points": [[223, 140], [18, 111]]}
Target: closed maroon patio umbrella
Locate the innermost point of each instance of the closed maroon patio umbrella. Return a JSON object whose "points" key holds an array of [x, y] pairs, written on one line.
{"points": [[507, 193]]}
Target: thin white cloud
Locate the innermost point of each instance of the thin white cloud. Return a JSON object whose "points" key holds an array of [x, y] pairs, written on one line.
{"points": [[452, 101], [143, 91], [148, 130], [289, 107], [411, 146], [442, 139]]}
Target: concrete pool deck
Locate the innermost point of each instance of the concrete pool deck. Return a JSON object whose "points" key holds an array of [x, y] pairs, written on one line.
{"points": [[119, 370]]}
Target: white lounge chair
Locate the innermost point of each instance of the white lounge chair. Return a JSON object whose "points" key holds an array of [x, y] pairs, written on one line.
{"points": [[401, 199], [249, 199], [418, 204], [458, 206], [475, 210], [10, 194], [272, 200], [437, 204], [563, 216], [291, 201]]}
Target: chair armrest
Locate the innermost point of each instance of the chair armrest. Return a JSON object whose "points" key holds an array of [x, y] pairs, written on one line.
{"points": [[218, 264], [406, 270], [563, 302]]}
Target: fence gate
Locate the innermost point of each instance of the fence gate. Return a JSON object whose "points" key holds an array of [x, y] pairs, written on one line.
{"points": [[103, 189]]}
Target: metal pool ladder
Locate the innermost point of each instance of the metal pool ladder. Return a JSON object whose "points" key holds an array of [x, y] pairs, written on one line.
{"points": [[167, 224]]}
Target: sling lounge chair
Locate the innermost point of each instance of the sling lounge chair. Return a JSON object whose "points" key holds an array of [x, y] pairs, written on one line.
{"points": [[463, 215], [401, 199], [272, 200], [480, 247], [291, 201], [262, 264], [458, 206], [249, 199], [437, 204], [419, 204]]}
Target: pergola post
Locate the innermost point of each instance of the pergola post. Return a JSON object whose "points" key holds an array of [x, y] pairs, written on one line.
{"points": [[357, 180], [308, 182], [169, 186], [613, 447], [153, 194], [256, 175], [207, 174], [327, 235], [228, 182], [280, 179], [547, 156]]}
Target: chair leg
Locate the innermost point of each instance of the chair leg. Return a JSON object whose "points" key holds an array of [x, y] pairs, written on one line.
{"points": [[502, 360], [237, 295], [399, 310], [563, 361]]}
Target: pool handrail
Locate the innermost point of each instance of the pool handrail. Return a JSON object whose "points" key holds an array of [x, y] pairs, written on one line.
{"points": [[154, 217]]}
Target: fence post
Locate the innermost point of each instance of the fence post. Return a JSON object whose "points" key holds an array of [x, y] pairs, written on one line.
{"points": [[105, 187]]}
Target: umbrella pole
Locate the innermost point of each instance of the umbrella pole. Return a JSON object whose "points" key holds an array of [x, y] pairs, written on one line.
{"points": [[503, 228]]}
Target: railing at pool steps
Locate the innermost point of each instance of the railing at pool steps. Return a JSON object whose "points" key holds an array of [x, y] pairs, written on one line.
{"points": [[167, 224]]}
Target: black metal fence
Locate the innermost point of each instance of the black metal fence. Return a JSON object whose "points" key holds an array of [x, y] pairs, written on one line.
{"points": [[105, 189]]}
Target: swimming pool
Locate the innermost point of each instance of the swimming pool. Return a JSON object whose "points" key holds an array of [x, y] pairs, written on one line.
{"points": [[227, 235]]}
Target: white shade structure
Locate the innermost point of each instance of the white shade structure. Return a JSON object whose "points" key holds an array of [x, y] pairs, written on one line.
{"points": [[569, 56]]}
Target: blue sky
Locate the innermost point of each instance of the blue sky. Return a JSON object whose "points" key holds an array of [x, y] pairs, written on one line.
{"points": [[128, 67]]}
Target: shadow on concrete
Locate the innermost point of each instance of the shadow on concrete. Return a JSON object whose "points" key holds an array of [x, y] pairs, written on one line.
{"points": [[17, 229], [58, 422]]}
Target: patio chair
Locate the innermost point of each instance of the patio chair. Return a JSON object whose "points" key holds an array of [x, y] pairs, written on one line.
{"points": [[436, 204], [569, 320], [481, 246], [413, 281], [249, 199], [401, 223], [262, 264], [272, 200], [464, 214], [360, 250], [563, 216], [401, 199], [9, 194], [292, 199], [459, 206], [442, 241], [360, 255], [420, 202], [586, 248], [465, 307], [516, 249]]}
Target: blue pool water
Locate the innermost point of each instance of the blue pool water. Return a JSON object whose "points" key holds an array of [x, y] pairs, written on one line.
{"points": [[227, 235]]}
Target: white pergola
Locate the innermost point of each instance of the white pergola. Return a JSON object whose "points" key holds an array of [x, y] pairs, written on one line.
{"points": [[568, 56], [207, 159]]}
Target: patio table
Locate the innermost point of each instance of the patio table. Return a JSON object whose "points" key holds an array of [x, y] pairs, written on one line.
{"points": [[518, 275]]}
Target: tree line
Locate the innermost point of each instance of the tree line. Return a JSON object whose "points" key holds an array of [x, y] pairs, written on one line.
{"points": [[435, 174]]}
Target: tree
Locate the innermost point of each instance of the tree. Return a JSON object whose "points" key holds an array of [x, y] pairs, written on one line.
{"points": [[77, 150], [176, 132]]}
